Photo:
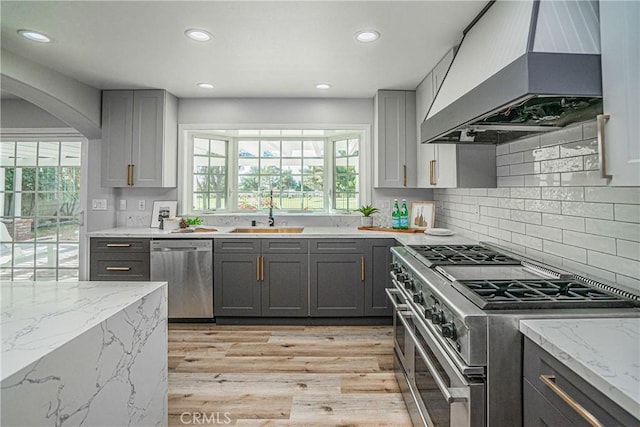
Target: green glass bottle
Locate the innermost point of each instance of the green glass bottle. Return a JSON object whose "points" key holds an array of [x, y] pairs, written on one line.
{"points": [[395, 215], [404, 216]]}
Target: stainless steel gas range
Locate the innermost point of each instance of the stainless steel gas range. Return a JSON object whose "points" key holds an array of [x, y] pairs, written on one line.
{"points": [[458, 351]]}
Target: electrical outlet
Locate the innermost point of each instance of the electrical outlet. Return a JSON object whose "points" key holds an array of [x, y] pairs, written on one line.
{"points": [[142, 205], [477, 212], [123, 205], [99, 204]]}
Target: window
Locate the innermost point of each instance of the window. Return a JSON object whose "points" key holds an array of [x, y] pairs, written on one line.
{"points": [[39, 197], [307, 170]]}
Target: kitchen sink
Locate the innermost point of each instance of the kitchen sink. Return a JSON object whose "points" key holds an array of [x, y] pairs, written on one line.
{"points": [[268, 230]]}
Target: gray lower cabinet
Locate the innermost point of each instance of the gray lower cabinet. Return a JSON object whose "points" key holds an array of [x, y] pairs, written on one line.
{"points": [[348, 277], [260, 277], [553, 403], [118, 259]]}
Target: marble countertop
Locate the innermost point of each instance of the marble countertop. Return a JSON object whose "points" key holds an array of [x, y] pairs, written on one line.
{"points": [[307, 232], [39, 317], [605, 352]]}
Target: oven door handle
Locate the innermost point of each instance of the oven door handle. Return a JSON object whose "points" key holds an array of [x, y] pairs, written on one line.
{"points": [[391, 295], [451, 395]]}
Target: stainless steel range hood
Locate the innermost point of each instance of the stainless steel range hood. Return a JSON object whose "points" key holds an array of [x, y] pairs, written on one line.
{"points": [[523, 67]]}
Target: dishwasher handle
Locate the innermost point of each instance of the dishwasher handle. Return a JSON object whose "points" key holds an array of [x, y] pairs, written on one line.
{"points": [[179, 249]]}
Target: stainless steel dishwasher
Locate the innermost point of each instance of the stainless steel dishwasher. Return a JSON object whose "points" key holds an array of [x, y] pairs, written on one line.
{"points": [[187, 266]]}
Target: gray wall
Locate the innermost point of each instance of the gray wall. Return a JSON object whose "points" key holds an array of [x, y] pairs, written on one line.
{"points": [[18, 113], [551, 204]]}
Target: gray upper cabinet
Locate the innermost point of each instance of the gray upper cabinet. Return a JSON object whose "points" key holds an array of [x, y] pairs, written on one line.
{"points": [[139, 138], [449, 165], [620, 38], [394, 139]]}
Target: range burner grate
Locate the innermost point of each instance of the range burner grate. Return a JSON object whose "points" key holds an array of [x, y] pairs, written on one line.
{"points": [[433, 255], [530, 294]]}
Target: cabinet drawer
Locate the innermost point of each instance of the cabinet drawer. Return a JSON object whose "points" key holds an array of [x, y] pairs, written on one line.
{"points": [[285, 246], [125, 266], [538, 362], [538, 411], [119, 245], [237, 245], [331, 246]]}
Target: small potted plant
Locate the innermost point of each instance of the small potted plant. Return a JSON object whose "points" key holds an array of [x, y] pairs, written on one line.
{"points": [[367, 211]]}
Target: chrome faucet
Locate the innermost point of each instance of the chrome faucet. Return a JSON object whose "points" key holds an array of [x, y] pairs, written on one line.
{"points": [[272, 222]]}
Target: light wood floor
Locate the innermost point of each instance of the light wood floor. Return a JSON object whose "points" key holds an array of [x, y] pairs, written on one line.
{"points": [[283, 376]]}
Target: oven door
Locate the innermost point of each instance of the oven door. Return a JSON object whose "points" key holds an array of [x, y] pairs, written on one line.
{"points": [[444, 395], [401, 340]]}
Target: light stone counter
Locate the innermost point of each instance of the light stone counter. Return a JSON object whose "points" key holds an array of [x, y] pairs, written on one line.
{"points": [[308, 232], [605, 352], [84, 353]]}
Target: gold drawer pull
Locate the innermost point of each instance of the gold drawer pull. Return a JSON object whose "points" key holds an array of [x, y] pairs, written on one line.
{"points": [[362, 269], [118, 245], [118, 268], [550, 381]]}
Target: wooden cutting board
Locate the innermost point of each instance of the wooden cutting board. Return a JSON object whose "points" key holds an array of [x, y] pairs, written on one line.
{"points": [[392, 230]]}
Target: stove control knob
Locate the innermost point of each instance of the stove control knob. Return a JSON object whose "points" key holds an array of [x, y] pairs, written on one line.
{"points": [[402, 277], [409, 284], [418, 298], [395, 267], [449, 331], [437, 316]]}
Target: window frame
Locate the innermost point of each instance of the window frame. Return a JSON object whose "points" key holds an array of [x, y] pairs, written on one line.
{"points": [[185, 163]]}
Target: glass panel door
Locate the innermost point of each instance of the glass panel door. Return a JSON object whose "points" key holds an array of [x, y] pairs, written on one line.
{"points": [[39, 207]]}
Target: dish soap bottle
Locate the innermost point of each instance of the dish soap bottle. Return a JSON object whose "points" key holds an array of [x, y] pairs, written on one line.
{"points": [[404, 216], [395, 215]]}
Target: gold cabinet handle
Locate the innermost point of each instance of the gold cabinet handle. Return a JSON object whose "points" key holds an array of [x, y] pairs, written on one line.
{"points": [[362, 269], [262, 269], [118, 268], [550, 381], [404, 176], [258, 269], [432, 172], [601, 119], [118, 245]]}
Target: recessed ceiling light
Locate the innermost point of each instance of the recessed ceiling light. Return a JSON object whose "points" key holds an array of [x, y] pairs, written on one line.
{"points": [[205, 85], [198, 35], [35, 36], [367, 36], [323, 86]]}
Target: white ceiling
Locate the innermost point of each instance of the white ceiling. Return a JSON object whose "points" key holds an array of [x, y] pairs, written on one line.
{"points": [[260, 49]]}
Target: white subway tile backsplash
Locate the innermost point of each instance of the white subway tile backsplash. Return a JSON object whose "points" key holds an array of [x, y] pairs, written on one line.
{"points": [[525, 193], [565, 251], [568, 164], [630, 195], [524, 168], [580, 148], [548, 206], [524, 144], [511, 181], [562, 193], [528, 217], [547, 153], [587, 209], [627, 213], [511, 203], [565, 222], [628, 249], [617, 229], [582, 179], [589, 241], [527, 241], [488, 201], [592, 162], [518, 227], [552, 204], [589, 271], [542, 232], [624, 266], [498, 192], [542, 180], [569, 134], [502, 149]]}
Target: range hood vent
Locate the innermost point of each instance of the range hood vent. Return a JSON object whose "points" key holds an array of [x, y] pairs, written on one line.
{"points": [[523, 67]]}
